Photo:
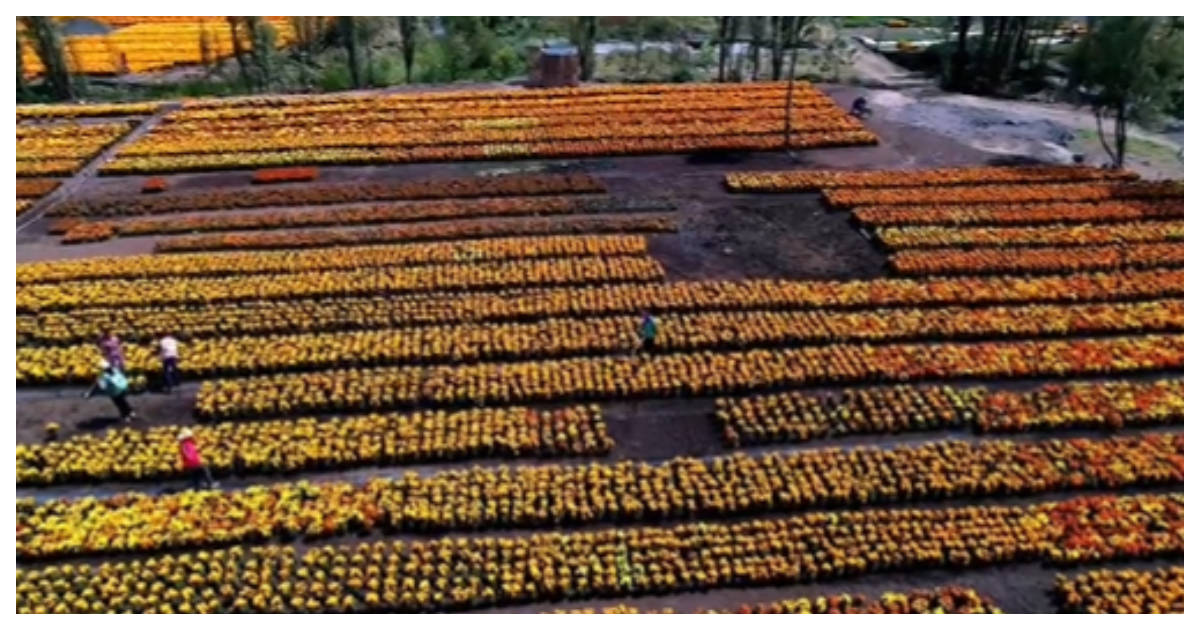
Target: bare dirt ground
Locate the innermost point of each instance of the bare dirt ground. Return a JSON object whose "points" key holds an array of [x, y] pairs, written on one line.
{"points": [[721, 236]]}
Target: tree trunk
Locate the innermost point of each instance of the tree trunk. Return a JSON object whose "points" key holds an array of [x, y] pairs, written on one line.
{"points": [[984, 51], [408, 44], [22, 85], [349, 34], [787, 110], [1120, 137], [735, 69], [756, 32], [587, 47], [260, 50], [958, 63], [777, 28], [239, 53], [1015, 49], [722, 47], [369, 79], [49, 47]]}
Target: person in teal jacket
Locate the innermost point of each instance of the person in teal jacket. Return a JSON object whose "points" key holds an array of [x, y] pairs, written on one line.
{"points": [[648, 332], [112, 383]]}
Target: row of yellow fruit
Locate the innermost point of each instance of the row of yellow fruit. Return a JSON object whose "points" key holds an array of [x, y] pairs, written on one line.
{"points": [[317, 194], [458, 343], [47, 141], [799, 416], [472, 103], [954, 600], [281, 446], [394, 212], [693, 374], [452, 231], [486, 275], [49, 167], [141, 323], [422, 123], [812, 180], [1019, 214], [1056, 234], [598, 146], [91, 110], [554, 495], [1013, 193], [447, 574], [1037, 260], [388, 135], [242, 263], [1123, 592]]}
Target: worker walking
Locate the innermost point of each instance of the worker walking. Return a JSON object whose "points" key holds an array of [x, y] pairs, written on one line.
{"points": [[168, 351], [193, 464], [648, 332], [113, 383]]}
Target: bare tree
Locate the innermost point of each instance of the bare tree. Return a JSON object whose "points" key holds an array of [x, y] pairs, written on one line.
{"points": [[722, 46], [349, 33], [48, 45], [408, 43], [584, 31], [756, 33], [239, 52], [22, 85]]}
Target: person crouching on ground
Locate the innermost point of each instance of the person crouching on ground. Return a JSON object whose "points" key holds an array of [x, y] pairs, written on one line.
{"points": [[114, 384], [193, 464], [648, 332], [168, 351]]}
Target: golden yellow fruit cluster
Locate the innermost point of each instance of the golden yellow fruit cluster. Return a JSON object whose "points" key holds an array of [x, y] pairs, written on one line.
{"points": [[944, 600], [666, 375], [353, 258], [602, 335], [627, 491], [353, 313], [800, 416], [447, 574], [1035, 260], [810, 180], [368, 281], [1124, 592], [1057, 234], [309, 444]]}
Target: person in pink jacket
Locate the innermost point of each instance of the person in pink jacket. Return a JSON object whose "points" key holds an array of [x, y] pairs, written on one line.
{"points": [[193, 464]]}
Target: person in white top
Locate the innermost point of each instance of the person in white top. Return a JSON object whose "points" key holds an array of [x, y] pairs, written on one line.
{"points": [[168, 351]]}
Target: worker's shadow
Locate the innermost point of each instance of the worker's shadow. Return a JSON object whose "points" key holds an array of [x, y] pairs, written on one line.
{"points": [[97, 423]]}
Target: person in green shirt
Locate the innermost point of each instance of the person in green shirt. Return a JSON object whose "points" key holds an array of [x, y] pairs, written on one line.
{"points": [[112, 382], [648, 332]]}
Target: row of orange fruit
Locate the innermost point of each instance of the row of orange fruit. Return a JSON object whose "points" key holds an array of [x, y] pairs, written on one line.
{"points": [[447, 574], [249, 263], [683, 374], [309, 444], [459, 343], [798, 416], [626, 491], [256, 317]]}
